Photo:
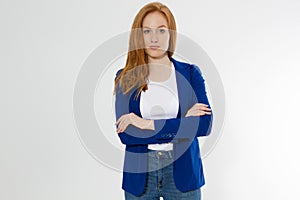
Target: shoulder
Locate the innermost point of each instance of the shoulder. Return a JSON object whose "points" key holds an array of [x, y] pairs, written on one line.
{"points": [[180, 64], [190, 67], [183, 64], [118, 72]]}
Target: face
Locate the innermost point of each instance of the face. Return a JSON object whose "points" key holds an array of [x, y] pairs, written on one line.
{"points": [[156, 34]]}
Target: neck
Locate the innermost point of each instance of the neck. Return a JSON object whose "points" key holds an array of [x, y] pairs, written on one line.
{"points": [[163, 60]]}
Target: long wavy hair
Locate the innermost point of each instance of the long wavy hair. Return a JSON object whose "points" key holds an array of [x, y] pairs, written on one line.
{"points": [[136, 70]]}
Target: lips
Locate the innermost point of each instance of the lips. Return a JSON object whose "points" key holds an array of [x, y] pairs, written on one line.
{"points": [[153, 47]]}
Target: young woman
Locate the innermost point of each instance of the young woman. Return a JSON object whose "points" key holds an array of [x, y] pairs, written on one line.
{"points": [[161, 108]]}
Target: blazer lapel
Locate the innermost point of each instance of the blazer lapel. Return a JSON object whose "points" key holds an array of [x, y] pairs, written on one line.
{"points": [[182, 79]]}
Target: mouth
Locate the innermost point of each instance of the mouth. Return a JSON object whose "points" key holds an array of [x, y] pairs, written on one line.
{"points": [[154, 47]]}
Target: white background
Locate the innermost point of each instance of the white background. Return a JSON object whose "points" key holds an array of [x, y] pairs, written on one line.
{"points": [[255, 46]]}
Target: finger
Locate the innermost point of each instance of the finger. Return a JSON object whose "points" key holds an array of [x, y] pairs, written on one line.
{"points": [[201, 104], [121, 118], [119, 124], [122, 129], [123, 125], [197, 113], [200, 113], [118, 121], [119, 128], [205, 108]]}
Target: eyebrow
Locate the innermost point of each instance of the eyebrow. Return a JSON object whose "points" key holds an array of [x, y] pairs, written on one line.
{"points": [[157, 27]]}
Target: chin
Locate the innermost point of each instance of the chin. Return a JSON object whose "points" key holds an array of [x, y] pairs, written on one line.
{"points": [[156, 54]]}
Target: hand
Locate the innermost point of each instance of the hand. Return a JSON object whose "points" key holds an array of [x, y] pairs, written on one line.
{"points": [[199, 109], [131, 118]]}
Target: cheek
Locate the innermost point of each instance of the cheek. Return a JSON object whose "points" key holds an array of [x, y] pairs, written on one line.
{"points": [[165, 41], [147, 40]]}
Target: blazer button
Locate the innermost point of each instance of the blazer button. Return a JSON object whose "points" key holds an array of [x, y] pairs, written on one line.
{"points": [[159, 153]]}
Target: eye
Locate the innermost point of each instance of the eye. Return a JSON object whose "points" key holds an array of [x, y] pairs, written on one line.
{"points": [[146, 31], [162, 30]]}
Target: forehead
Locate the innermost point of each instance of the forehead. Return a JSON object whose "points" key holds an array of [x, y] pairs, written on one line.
{"points": [[155, 19]]}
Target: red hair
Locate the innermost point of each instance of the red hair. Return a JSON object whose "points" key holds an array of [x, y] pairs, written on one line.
{"points": [[136, 69]]}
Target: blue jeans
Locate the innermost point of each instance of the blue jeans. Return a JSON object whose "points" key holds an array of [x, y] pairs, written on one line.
{"points": [[160, 182]]}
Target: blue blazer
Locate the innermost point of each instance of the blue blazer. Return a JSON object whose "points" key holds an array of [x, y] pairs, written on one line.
{"points": [[181, 131]]}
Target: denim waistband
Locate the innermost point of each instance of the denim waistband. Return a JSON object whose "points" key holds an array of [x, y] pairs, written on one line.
{"points": [[160, 154]]}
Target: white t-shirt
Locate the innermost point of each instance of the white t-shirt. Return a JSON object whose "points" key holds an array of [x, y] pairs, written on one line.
{"points": [[160, 101]]}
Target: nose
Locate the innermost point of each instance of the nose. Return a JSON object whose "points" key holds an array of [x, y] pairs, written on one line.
{"points": [[154, 37]]}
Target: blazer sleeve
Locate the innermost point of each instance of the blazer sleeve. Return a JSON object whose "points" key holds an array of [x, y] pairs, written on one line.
{"points": [[192, 126], [166, 130]]}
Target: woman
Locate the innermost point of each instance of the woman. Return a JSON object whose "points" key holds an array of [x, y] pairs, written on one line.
{"points": [[161, 109]]}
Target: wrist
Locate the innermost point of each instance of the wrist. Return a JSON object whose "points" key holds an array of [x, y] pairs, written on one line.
{"points": [[149, 124]]}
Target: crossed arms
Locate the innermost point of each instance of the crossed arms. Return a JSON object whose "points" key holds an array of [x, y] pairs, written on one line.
{"points": [[197, 121]]}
